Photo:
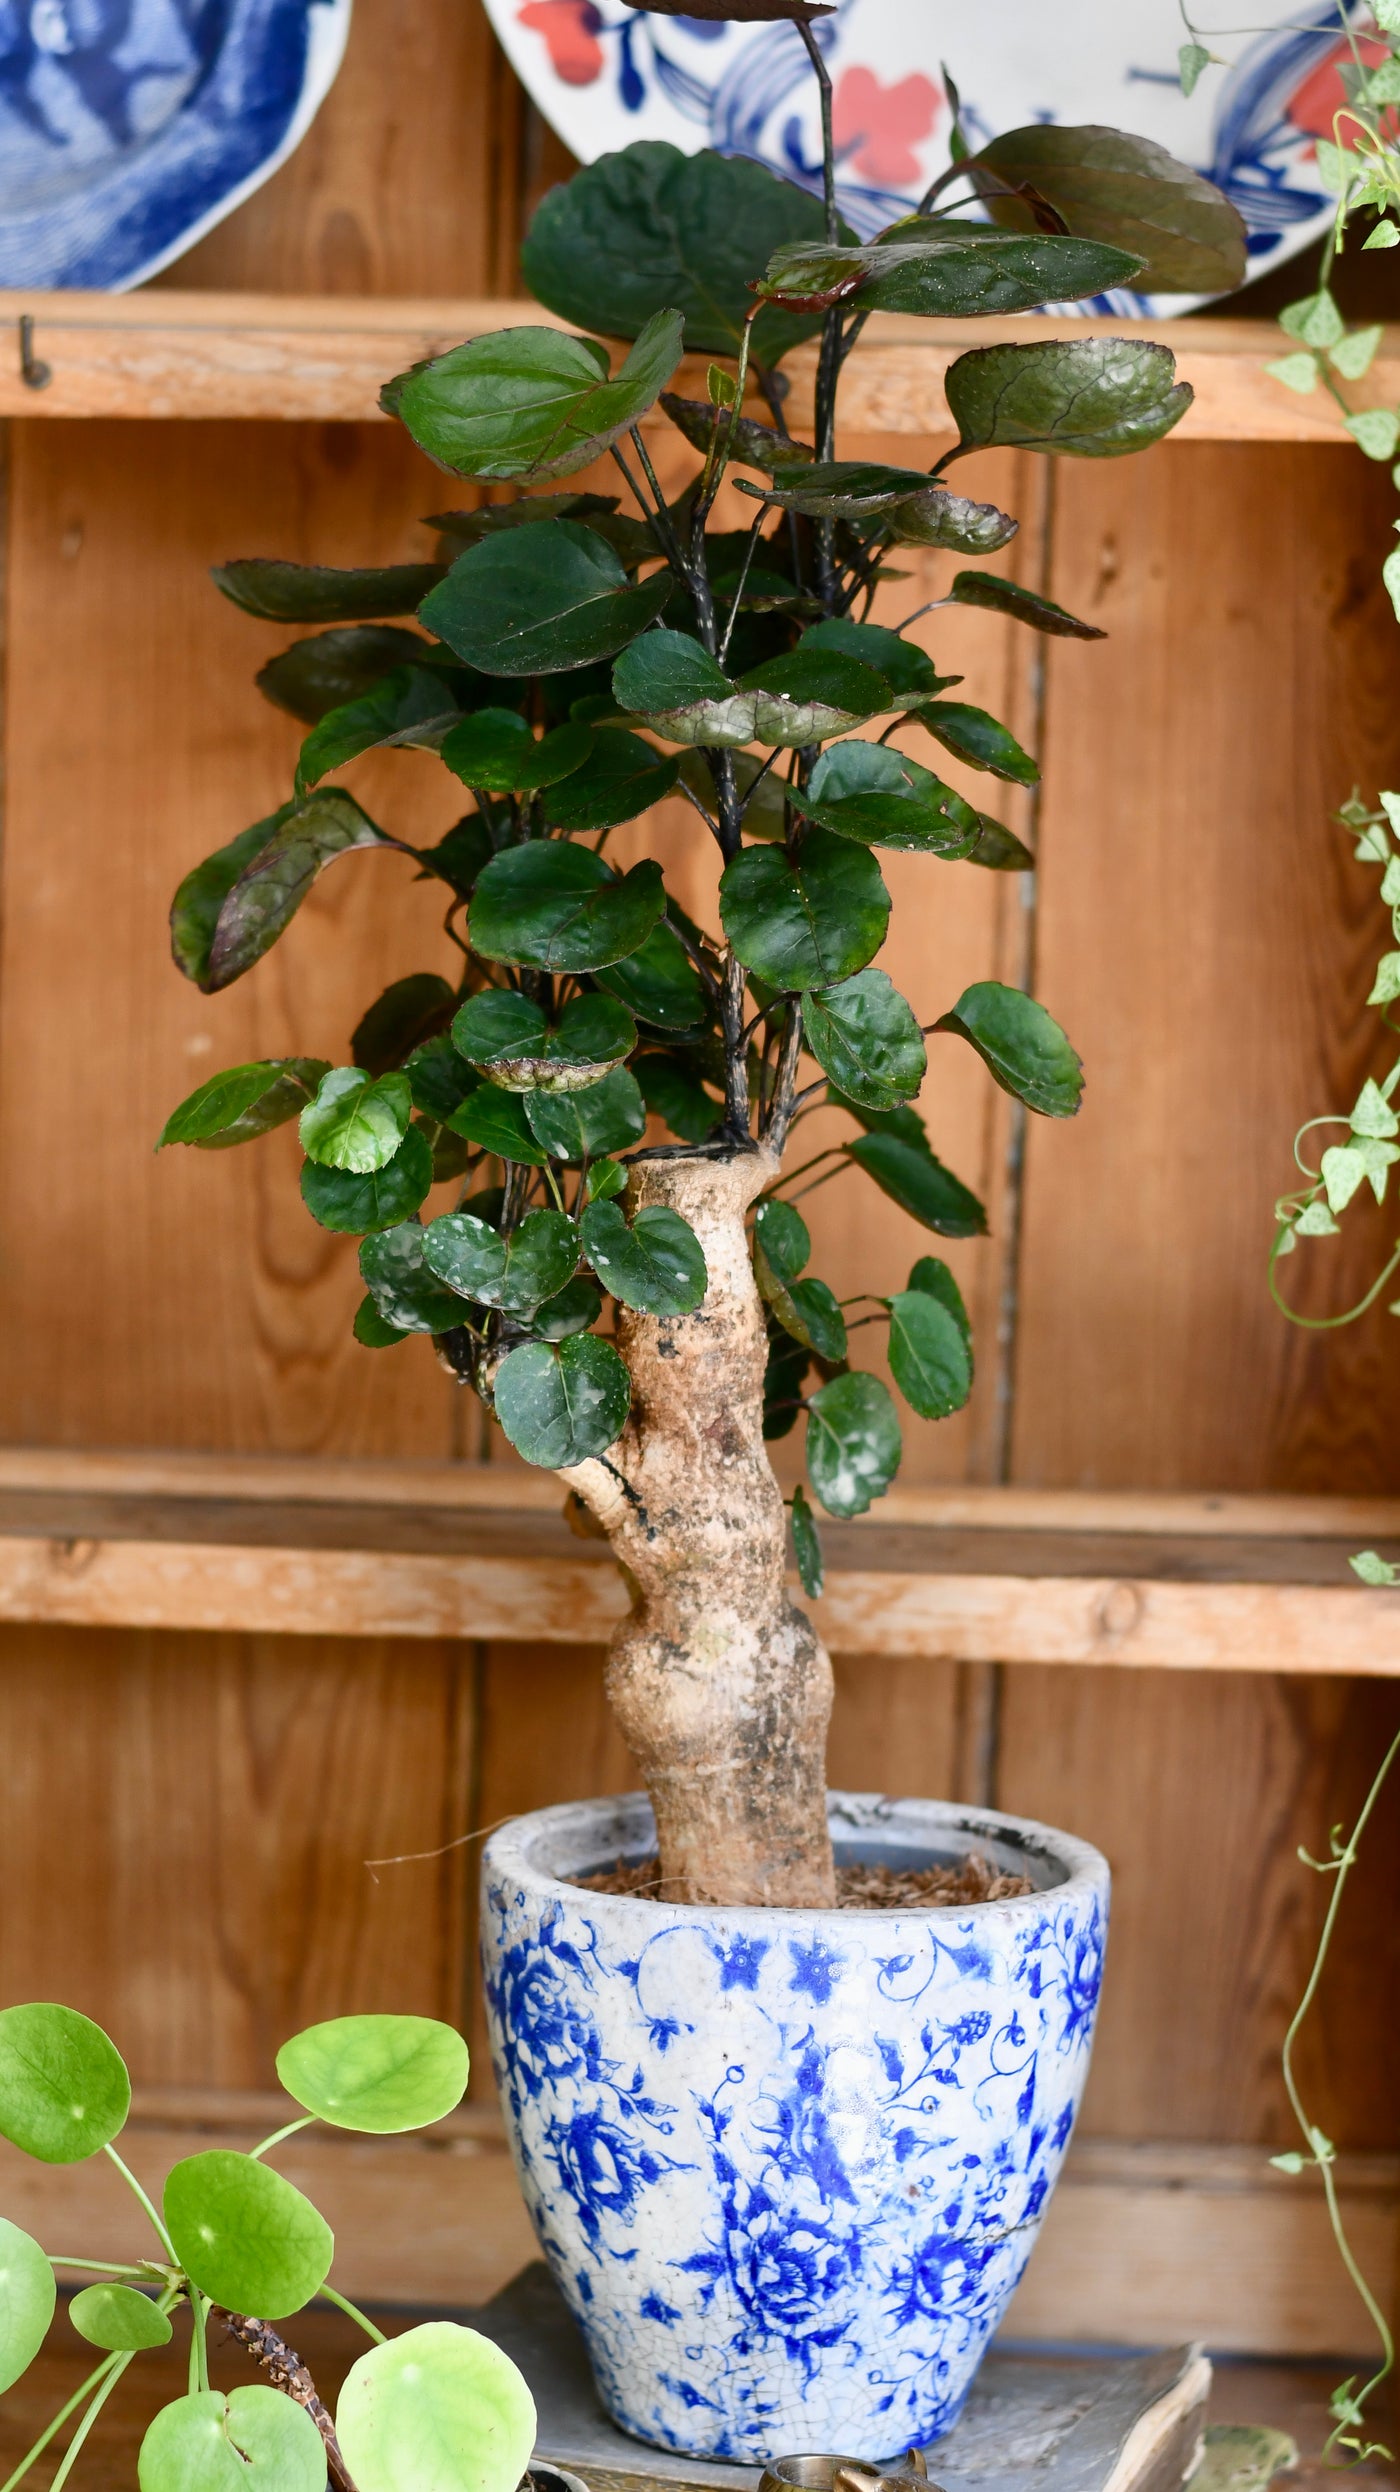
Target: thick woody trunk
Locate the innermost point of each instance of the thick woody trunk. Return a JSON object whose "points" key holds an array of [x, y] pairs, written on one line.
{"points": [[722, 1688]]}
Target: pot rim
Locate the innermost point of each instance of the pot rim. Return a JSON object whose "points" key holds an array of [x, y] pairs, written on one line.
{"points": [[511, 1853]]}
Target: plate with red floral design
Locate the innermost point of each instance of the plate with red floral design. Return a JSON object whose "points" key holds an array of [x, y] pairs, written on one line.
{"points": [[605, 74]]}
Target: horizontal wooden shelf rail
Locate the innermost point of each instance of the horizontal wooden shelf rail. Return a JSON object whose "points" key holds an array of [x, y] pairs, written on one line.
{"points": [[1114, 1578], [322, 358]]}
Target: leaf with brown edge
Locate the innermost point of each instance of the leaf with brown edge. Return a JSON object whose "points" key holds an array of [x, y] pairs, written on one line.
{"points": [[1112, 186]]}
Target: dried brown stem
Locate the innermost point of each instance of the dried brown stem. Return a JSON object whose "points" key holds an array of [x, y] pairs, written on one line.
{"points": [[287, 2371]]}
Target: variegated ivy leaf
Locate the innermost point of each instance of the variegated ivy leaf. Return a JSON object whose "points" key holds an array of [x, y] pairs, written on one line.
{"points": [[1372, 848], [1348, 1165], [1316, 1221], [1390, 881], [1296, 372], [1376, 430], [1387, 985], [1352, 356], [1373, 1568], [1373, 1116], [1314, 321], [1390, 574]]}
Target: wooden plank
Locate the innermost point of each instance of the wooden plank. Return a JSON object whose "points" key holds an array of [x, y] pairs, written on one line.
{"points": [[308, 357]]}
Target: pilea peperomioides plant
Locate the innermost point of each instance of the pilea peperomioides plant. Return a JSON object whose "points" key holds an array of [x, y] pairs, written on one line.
{"points": [[574, 661], [235, 2243]]}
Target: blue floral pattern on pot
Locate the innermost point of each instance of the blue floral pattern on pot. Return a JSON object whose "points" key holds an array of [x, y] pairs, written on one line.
{"points": [[787, 2167]]}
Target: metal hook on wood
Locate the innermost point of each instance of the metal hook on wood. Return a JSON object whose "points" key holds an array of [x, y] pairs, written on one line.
{"points": [[33, 373]]}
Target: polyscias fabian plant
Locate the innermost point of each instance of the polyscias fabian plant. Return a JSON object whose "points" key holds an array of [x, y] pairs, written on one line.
{"points": [[236, 2243], [573, 662]]}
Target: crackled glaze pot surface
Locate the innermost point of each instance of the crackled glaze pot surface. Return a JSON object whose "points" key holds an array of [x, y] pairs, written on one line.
{"points": [[787, 2167]]}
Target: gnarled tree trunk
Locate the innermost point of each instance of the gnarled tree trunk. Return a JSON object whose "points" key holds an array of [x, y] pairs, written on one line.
{"points": [[722, 1687]]}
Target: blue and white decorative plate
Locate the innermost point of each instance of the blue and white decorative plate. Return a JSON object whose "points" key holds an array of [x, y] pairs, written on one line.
{"points": [[129, 127], [604, 74]]}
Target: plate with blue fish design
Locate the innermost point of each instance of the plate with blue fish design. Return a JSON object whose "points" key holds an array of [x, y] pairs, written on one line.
{"points": [[604, 74], [129, 127]]}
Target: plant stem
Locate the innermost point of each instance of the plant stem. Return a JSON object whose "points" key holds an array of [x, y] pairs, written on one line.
{"points": [[45, 2436], [287, 2371], [104, 2266], [74, 2449], [330, 2294], [307, 2121], [134, 2185]]}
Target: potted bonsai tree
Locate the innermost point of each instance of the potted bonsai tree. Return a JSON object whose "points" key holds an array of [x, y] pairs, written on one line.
{"points": [[787, 2161]]}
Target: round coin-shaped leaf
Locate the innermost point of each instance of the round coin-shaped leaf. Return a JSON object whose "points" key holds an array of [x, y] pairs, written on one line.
{"points": [[356, 1205], [541, 600], [806, 924], [1023, 1048], [244, 2235], [604, 1117], [64, 2090], [658, 982], [517, 1272], [438, 2409], [548, 905], [655, 1262], [866, 1039], [354, 1122], [882, 798], [27, 2297], [559, 1404], [853, 1442], [929, 1356], [119, 2318], [379, 2074], [254, 2440], [404, 1286]]}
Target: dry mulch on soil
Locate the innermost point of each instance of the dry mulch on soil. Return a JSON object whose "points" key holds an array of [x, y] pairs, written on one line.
{"points": [[858, 1888]]}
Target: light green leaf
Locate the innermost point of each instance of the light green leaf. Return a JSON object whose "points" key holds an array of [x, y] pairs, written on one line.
{"points": [[531, 402], [438, 2409], [928, 1354], [243, 1102], [1382, 237], [1352, 356], [377, 2074], [1315, 1221], [27, 2299], [517, 1272], [559, 1405], [1023, 1048], [541, 600], [1314, 320], [1373, 1113], [354, 1122], [853, 1443], [1390, 574], [118, 2318], [1376, 430], [654, 1262], [244, 2235], [1297, 372], [806, 1546], [1387, 979], [1191, 59], [253, 2440], [64, 2090], [1374, 1569], [1350, 1165], [403, 1285]]}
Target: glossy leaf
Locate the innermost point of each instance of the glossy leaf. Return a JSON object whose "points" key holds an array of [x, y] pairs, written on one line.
{"points": [[650, 227], [806, 1546], [653, 1262], [622, 776], [355, 1122], [494, 1119], [307, 592], [317, 675], [510, 1037], [541, 600], [437, 2409], [747, 443], [1090, 398], [672, 1092], [1115, 187], [683, 693], [947, 270], [929, 1358], [64, 2090], [908, 671], [244, 2235], [866, 1040], [920, 1184], [812, 692], [246, 1100], [194, 912], [407, 1014], [572, 1310], [561, 1403], [853, 1443], [808, 1309], [354, 1205], [804, 924], [118, 2318], [458, 857], [999, 849], [658, 982], [254, 2439], [998, 596], [783, 1237], [517, 1272], [371, 1331], [951, 522], [1023, 1048], [270, 887], [917, 510], [549, 905], [936, 1281], [27, 2299], [979, 740], [407, 1292], [532, 402], [411, 699], [783, 1380], [439, 1078], [591, 1123], [883, 798], [498, 749], [379, 2075]]}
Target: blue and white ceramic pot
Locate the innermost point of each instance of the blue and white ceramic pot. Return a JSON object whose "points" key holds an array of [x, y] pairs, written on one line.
{"points": [[787, 2167]]}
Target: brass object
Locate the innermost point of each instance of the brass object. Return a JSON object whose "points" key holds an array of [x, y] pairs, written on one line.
{"points": [[848, 2474]]}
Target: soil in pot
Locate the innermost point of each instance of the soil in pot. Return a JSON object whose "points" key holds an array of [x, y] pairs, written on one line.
{"points": [[861, 1886]]}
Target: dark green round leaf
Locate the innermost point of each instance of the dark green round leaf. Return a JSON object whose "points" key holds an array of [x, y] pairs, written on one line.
{"points": [[497, 749], [118, 2318], [194, 911], [654, 1262], [622, 776], [549, 905], [306, 592], [920, 1184], [371, 1331], [575, 1308], [588, 1124], [1091, 397], [806, 924], [670, 679], [354, 1122], [928, 1354], [1023, 1048], [908, 670], [27, 2298], [672, 1092], [377, 2074], [650, 227], [245, 1101], [517, 1272], [811, 692], [936, 1281], [811, 1312], [979, 739], [244, 2235], [784, 1237], [499, 1022], [403, 1285], [866, 1040], [1114, 187], [269, 889], [253, 2440], [411, 706], [658, 982], [561, 1404], [438, 2409], [494, 1119], [355, 1205], [532, 402], [949, 520], [330, 668], [439, 1078], [606, 1178], [541, 600], [458, 857], [511, 1037], [946, 270], [987, 589], [853, 1443], [407, 1014], [64, 2090], [871, 793], [806, 1546]]}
